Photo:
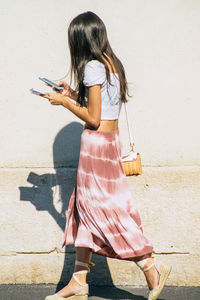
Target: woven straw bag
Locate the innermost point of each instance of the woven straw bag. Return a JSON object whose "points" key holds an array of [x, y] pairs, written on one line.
{"points": [[131, 161]]}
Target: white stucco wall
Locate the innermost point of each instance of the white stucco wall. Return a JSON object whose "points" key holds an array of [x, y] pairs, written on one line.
{"points": [[158, 42]]}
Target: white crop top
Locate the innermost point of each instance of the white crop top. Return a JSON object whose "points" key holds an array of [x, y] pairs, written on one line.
{"points": [[95, 73]]}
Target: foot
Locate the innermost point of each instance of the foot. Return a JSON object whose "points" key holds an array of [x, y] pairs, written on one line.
{"points": [[72, 287], [164, 270]]}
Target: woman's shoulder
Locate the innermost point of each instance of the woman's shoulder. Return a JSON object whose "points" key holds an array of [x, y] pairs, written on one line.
{"points": [[94, 73]]}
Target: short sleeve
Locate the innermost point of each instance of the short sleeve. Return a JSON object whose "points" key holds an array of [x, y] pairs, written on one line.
{"points": [[94, 73]]}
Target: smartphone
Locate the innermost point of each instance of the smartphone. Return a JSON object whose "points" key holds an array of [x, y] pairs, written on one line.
{"points": [[35, 92], [51, 83]]}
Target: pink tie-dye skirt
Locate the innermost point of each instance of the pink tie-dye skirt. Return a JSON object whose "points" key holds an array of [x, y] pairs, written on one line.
{"points": [[101, 213]]}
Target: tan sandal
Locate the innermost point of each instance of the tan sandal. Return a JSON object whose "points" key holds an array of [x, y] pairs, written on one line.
{"points": [[82, 292]]}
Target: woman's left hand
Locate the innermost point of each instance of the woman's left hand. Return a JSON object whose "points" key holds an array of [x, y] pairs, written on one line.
{"points": [[54, 98]]}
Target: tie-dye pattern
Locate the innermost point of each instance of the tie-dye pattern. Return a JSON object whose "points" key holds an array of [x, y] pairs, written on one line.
{"points": [[109, 223]]}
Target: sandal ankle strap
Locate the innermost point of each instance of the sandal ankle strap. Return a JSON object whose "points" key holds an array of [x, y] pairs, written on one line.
{"points": [[76, 278], [143, 262], [83, 264], [148, 268]]}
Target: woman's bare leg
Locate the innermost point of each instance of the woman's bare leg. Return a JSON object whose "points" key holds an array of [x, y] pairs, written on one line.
{"points": [[84, 255], [152, 275]]}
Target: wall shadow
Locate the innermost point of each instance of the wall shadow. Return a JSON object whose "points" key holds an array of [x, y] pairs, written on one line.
{"points": [[51, 192]]}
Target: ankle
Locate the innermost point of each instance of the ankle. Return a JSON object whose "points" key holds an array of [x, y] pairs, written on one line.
{"points": [[146, 263], [80, 277], [82, 266], [151, 273]]}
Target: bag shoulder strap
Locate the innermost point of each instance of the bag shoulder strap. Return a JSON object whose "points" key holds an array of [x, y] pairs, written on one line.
{"points": [[129, 129]]}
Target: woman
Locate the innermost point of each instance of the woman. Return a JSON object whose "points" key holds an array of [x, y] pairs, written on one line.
{"points": [[101, 216]]}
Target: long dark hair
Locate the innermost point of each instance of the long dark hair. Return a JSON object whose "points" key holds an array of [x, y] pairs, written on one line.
{"points": [[87, 38]]}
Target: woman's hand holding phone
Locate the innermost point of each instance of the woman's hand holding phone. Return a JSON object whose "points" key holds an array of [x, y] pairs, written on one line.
{"points": [[54, 98], [68, 91], [60, 89]]}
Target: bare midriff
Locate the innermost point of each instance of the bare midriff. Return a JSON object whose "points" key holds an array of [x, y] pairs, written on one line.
{"points": [[105, 125], [108, 125]]}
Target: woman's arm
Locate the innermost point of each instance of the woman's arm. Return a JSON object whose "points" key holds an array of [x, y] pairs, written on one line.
{"points": [[91, 114]]}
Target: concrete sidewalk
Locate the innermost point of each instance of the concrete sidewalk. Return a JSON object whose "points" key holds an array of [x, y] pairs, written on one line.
{"points": [[40, 291]]}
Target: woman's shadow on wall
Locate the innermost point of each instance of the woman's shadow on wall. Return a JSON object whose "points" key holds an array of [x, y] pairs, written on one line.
{"points": [[51, 192]]}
